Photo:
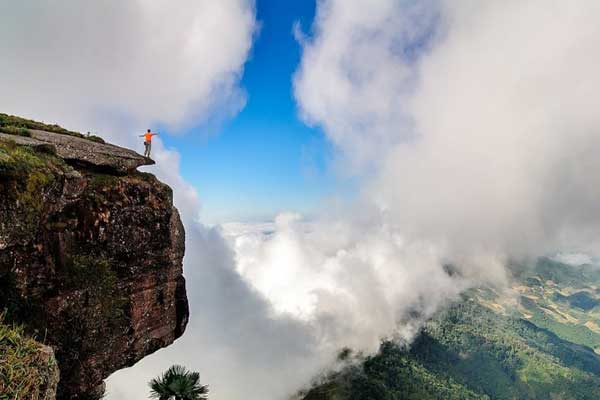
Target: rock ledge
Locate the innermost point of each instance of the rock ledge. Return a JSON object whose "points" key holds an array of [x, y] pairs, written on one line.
{"points": [[75, 150]]}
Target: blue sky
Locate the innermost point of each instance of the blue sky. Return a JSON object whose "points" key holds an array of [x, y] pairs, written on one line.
{"points": [[265, 159]]}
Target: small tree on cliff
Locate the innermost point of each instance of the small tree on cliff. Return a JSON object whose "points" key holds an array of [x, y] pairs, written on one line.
{"points": [[177, 383]]}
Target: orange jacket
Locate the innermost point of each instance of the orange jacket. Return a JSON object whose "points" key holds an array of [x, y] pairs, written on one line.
{"points": [[148, 137]]}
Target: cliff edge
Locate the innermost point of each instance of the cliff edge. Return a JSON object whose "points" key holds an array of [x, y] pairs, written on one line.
{"points": [[90, 254]]}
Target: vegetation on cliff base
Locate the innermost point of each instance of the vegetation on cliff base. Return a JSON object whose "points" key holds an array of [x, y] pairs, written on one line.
{"points": [[26, 371], [20, 126]]}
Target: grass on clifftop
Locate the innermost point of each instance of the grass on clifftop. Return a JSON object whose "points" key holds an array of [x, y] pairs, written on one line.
{"points": [[25, 370], [20, 126], [19, 158]]}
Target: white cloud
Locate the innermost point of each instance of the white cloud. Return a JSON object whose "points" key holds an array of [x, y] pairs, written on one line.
{"points": [[574, 259], [479, 118], [352, 282], [135, 62], [354, 78]]}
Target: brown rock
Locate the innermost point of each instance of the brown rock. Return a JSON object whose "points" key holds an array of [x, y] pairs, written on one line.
{"points": [[92, 262], [52, 374]]}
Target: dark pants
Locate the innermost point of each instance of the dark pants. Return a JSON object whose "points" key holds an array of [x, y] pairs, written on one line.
{"points": [[148, 147]]}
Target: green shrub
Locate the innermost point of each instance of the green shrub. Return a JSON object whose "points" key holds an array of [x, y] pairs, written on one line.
{"points": [[16, 158], [18, 122], [25, 370], [95, 275], [99, 180], [21, 126], [95, 138], [85, 272], [15, 130]]}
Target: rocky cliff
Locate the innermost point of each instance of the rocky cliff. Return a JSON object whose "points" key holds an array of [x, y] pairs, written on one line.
{"points": [[90, 255]]}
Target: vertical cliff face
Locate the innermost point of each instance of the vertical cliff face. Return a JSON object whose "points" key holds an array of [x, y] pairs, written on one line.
{"points": [[90, 255]]}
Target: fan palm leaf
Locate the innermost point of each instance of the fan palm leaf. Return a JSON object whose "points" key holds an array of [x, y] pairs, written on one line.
{"points": [[179, 384]]}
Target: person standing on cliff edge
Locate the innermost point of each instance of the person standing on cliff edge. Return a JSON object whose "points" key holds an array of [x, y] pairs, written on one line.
{"points": [[148, 142]]}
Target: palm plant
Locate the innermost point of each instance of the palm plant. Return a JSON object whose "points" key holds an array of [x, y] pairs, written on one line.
{"points": [[177, 383]]}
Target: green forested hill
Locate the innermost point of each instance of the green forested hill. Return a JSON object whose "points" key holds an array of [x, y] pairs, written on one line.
{"points": [[534, 341]]}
